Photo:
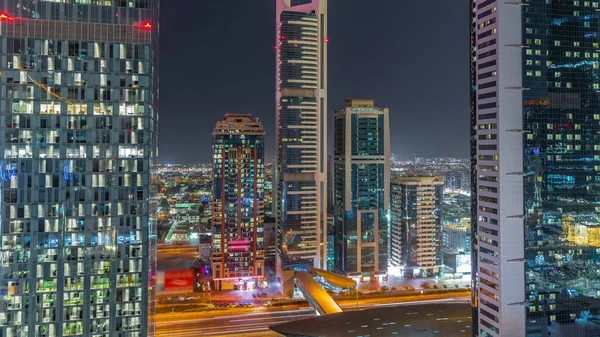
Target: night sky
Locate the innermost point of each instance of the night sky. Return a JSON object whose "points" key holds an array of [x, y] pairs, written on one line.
{"points": [[410, 56]]}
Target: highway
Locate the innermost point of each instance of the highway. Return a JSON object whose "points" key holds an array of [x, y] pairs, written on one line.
{"points": [[178, 251], [176, 256], [256, 323]]}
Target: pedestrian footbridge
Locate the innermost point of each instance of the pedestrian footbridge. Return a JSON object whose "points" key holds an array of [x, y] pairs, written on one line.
{"points": [[310, 285]]}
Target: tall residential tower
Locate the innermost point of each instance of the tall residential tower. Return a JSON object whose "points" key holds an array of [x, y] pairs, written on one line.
{"points": [[536, 117], [300, 190], [416, 226], [362, 180], [78, 130], [238, 200]]}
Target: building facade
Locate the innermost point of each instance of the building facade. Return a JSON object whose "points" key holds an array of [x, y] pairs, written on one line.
{"points": [[415, 225], [454, 180], [362, 174], [457, 236], [458, 180], [331, 244], [299, 187], [270, 244], [536, 78], [238, 201], [78, 138]]}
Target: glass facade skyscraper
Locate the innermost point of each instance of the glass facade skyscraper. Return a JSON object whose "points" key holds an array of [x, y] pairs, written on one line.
{"points": [[536, 117], [361, 181], [300, 191], [78, 136], [238, 200]]}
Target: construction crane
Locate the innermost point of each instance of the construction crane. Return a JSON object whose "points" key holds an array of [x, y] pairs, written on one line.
{"points": [[21, 68]]}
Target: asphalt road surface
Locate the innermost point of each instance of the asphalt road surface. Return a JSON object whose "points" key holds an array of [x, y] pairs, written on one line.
{"points": [[229, 325], [255, 323]]}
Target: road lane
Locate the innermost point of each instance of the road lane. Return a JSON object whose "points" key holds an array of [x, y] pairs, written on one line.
{"points": [[257, 323], [230, 325]]}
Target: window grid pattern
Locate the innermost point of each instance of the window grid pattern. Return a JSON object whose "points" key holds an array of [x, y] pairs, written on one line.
{"points": [[77, 140]]}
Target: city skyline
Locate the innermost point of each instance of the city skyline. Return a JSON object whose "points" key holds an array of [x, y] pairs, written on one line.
{"points": [[404, 77], [457, 189]]}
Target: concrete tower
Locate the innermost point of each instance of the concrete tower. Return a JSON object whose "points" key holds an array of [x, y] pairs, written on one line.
{"points": [[300, 190]]}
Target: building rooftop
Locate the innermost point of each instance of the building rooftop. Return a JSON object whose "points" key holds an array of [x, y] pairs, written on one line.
{"points": [[419, 180], [423, 320], [463, 226], [360, 103], [233, 123]]}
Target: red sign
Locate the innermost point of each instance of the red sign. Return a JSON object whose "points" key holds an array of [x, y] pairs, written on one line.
{"points": [[238, 245], [179, 280]]}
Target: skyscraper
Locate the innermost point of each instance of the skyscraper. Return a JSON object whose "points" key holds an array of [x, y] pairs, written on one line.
{"points": [[238, 201], [416, 226], [535, 114], [78, 110], [362, 179], [300, 190]]}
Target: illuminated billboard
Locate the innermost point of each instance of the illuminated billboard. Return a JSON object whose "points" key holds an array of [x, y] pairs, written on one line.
{"points": [[179, 280]]}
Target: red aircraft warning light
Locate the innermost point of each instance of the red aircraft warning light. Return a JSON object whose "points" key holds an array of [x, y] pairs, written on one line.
{"points": [[147, 25], [4, 16]]}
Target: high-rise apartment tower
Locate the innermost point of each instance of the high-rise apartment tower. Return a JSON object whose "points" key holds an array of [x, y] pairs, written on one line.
{"points": [[416, 225], [536, 150], [300, 191], [362, 179], [78, 136], [238, 200]]}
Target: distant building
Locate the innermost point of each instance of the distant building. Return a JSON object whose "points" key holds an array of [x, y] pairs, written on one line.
{"points": [[457, 246], [330, 244], [205, 247], [457, 236], [465, 181], [238, 205], [270, 246], [458, 180], [362, 177], [330, 185], [454, 180], [193, 217], [416, 231]]}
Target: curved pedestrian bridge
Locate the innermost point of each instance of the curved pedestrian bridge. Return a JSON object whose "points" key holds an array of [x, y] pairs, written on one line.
{"points": [[318, 298], [313, 290]]}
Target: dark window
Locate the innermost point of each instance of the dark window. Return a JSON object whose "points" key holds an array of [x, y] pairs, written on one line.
{"points": [[487, 95], [487, 106]]}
